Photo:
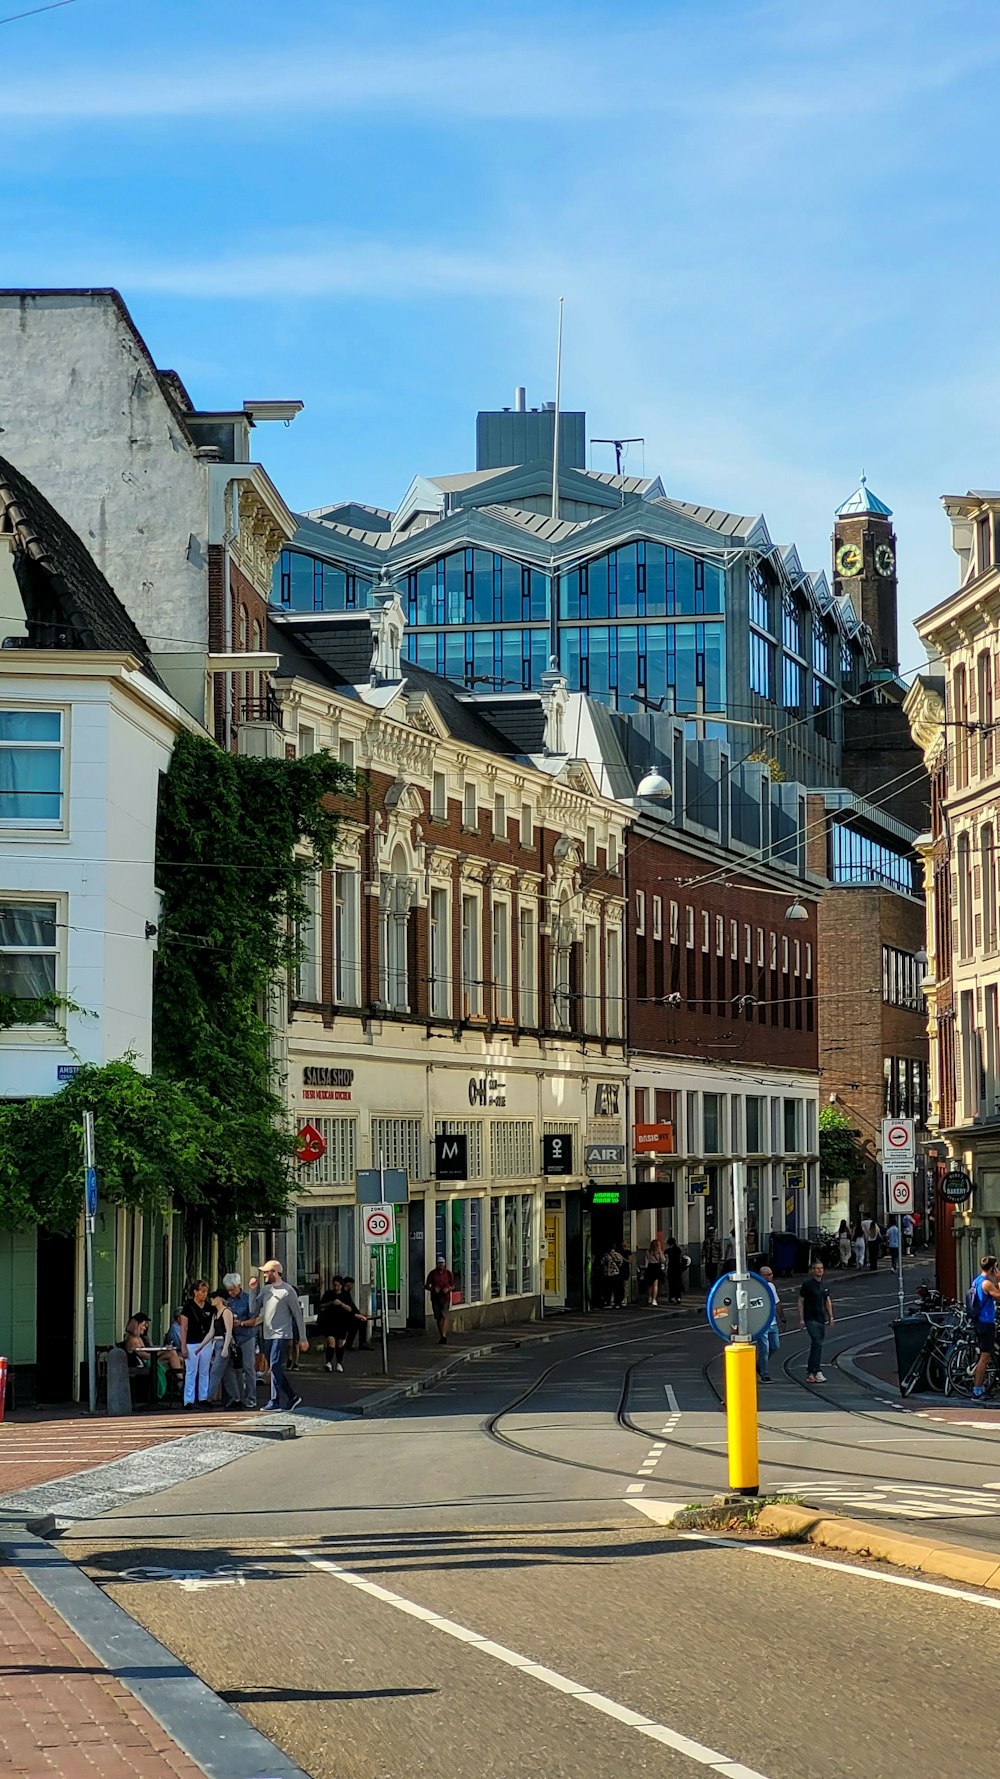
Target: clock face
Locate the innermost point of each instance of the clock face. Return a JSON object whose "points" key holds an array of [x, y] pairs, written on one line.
{"points": [[849, 559], [885, 560]]}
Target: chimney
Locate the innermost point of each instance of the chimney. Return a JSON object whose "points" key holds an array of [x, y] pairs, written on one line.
{"points": [[519, 399]]}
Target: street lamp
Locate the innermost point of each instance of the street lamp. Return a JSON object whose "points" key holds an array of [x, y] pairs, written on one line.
{"points": [[796, 912], [654, 785]]}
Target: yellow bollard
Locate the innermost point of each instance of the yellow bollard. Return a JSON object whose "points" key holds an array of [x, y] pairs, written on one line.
{"points": [[741, 1416]]}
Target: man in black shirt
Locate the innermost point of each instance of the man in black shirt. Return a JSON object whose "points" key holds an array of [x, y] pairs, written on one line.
{"points": [[815, 1316]]}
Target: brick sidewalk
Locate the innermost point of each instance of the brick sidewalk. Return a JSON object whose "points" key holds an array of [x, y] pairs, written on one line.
{"points": [[64, 1712], [46, 1448]]}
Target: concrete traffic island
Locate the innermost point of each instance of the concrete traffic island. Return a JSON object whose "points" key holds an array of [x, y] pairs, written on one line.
{"points": [[951, 1562]]}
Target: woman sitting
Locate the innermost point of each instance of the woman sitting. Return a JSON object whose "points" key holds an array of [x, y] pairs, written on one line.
{"points": [[134, 1344]]}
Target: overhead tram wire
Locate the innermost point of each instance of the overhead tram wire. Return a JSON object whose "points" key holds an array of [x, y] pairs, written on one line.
{"points": [[52, 6]]}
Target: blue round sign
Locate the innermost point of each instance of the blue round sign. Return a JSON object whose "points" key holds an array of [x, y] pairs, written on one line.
{"points": [[91, 1184], [721, 1307]]}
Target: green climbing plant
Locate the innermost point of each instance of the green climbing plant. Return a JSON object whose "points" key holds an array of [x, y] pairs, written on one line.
{"points": [[839, 1155]]}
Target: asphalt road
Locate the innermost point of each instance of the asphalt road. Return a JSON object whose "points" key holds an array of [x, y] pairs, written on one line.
{"points": [[470, 1585]]}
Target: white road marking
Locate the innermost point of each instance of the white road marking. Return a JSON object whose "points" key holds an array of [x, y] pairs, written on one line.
{"points": [[675, 1407], [662, 1512], [635, 1488], [583, 1695]]}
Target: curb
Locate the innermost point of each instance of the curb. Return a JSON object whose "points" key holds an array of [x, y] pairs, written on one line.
{"points": [[211, 1732], [953, 1562], [380, 1399]]}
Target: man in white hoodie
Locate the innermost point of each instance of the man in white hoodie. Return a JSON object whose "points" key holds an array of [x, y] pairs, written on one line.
{"points": [[276, 1307]]}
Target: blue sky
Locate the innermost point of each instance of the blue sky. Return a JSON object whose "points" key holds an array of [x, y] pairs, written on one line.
{"points": [[774, 226]]}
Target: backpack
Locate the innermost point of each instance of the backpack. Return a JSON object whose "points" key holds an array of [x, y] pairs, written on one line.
{"points": [[611, 1265], [973, 1300]]}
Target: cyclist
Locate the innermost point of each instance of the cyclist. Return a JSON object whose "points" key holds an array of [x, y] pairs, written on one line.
{"points": [[984, 1293]]}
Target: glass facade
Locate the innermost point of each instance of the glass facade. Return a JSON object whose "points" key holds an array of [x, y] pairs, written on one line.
{"points": [[308, 584], [761, 665], [476, 587], [496, 659], [858, 859], [641, 580], [613, 660]]}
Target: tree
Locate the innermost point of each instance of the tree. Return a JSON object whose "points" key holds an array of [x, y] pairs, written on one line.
{"points": [[839, 1155]]}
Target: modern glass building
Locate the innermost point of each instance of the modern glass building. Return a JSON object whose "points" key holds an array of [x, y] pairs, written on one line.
{"points": [[644, 601]]}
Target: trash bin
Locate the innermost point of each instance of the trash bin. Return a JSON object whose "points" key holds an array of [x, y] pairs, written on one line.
{"points": [[784, 1252], [912, 1335]]}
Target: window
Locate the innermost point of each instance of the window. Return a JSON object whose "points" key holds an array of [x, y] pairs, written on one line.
{"points": [[345, 752], [395, 901], [657, 917], [856, 858], [307, 741], [705, 930], [527, 825], [439, 797], [756, 1118], [347, 936], [526, 967], [396, 1143], [472, 990], [963, 897], [821, 650], [440, 954], [613, 982], [987, 858], [612, 852], [720, 936], [591, 978], [902, 977], [470, 808], [29, 951], [500, 817], [791, 624], [590, 847], [308, 971], [689, 928], [712, 1112], [502, 989], [31, 768], [512, 1148], [472, 1130], [792, 1126], [761, 665], [562, 955], [338, 1164], [792, 683], [761, 605], [984, 671], [640, 912], [959, 720], [675, 924], [984, 543]]}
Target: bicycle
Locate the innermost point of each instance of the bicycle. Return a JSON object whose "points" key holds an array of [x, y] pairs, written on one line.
{"points": [[961, 1361], [930, 1365]]}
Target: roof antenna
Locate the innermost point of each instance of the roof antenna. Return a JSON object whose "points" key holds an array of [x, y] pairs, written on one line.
{"points": [[555, 429], [619, 445]]}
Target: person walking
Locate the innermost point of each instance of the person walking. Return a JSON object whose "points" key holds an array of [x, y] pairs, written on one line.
{"points": [[859, 1244], [981, 1302], [196, 1347], [621, 1278], [815, 1316], [907, 1234], [610, 1266], [711, 1254], [275, 1305], [654, 1273], [334, 1324], [873, 1243], [892, 1237], [844, 1243], [770, 1341], [221, 1375], [440, 1284], [677, 1263], [242, 1372]]}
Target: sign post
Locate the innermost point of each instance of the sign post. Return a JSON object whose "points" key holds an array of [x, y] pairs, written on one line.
{"points": [[90, 1214], [899, 1197], [741, 1361], [379, 1225]]}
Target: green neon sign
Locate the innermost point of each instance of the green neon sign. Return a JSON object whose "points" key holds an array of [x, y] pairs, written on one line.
{"points": [[607, 1198]]}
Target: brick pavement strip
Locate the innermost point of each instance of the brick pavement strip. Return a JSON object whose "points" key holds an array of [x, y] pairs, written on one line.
{"points": [[66, 1714]]}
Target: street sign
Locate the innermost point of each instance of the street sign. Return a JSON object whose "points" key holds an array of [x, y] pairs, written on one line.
{"points": [[379, 1225], [898, 1142], [956, 1186], [557, 1153], [375, 1186], [899, 1194], [311, 1144], [90, 1181], [67, 1071], [795, 1179], [451, 1156], [721, 1307]]}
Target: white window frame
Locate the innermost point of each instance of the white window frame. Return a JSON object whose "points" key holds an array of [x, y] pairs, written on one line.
{"points": [[657, 917], [503, 988], [527, 965], [592, 977], [612, 852], [472, 953], [346, 936], [613, 982], [439, 797], [307, 740], [45, 1029], [500, 816], [309, 965], [590, 846], [640, 912], [705, 931], [675, 924], [439, 951], [720, 936], [689, 927], [345, 751], [40, 824], [527, 825], [470, 809]]}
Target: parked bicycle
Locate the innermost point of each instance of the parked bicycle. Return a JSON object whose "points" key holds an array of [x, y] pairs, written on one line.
{"points": [[930, 1367], [962, 1358]]}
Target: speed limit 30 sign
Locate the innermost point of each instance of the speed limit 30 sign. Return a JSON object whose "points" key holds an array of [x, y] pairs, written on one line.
{"points": [[379, 1225], [900, 1194]]}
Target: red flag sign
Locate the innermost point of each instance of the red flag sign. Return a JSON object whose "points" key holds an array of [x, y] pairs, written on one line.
{"points": [[310, 1144]]}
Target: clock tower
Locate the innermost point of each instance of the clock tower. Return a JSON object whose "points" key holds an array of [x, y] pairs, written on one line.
{"points": [[864, 567]]}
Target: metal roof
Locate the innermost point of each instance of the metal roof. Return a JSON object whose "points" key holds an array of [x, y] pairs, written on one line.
{"points": [[863, 501]]}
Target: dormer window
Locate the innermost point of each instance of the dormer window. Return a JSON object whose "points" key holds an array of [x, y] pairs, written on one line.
{"points": [[984, 542]]}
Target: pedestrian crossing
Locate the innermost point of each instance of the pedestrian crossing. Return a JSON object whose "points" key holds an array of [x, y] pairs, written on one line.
{"points": [[906, 1500]]}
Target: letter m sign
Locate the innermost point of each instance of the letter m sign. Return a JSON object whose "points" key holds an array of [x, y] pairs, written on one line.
{"points": [[451, 1156]]}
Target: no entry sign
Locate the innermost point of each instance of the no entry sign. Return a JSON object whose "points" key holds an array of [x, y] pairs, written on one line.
{"points": [[898, 1143]]}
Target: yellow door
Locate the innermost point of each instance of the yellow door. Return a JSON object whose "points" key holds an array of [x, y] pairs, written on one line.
{"points": [[555, 1290]]}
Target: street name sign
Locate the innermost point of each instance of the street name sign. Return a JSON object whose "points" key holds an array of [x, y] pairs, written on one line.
{"points": [[375, 1186], [899, 1150]]}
